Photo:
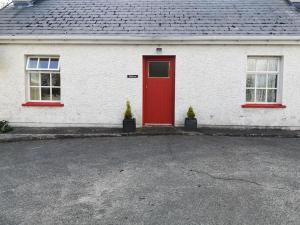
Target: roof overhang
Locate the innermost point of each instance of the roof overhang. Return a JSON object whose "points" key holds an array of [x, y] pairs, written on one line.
{"points": [[154, 40]]}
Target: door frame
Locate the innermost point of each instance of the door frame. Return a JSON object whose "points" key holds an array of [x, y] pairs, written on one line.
{"points": [[147, 58]]}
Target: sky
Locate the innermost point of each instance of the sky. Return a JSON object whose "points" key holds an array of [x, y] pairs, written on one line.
{"points": [[3, 2]]}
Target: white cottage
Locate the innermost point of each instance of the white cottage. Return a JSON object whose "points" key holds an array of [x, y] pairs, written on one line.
{"points": [[76, 63]]}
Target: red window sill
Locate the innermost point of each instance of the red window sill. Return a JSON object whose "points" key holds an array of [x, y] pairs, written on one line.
{"points": [[266, 106], [44, 104]]}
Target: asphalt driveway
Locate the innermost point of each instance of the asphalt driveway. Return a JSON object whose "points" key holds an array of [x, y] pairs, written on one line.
{"points": [[155, 180]]}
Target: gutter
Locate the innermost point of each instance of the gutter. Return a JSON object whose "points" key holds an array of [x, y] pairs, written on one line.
{"points": [[154, 40]]}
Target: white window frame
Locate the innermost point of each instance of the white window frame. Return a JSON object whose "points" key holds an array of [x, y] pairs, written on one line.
{"points": [[39, 72], [279, 80], [42, 69]]}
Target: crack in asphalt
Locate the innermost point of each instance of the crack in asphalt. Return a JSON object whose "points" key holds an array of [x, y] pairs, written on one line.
{"points": [[226, 178], [241, 180], [237, 179]]}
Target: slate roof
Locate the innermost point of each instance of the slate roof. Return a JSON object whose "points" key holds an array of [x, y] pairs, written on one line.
{"points": [[153, 18]]}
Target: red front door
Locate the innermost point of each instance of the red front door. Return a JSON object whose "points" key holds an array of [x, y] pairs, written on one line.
{"points": [[159, 86]]}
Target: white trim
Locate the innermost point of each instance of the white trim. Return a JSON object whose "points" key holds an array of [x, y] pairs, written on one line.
{"points": [[40, 86], [39, 71], [265, 73], [84, 39], [38, 62]]}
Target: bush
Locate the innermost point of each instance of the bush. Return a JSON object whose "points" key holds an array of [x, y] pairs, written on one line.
{"points": [[128, 113], [4, 127], [191, 113]]}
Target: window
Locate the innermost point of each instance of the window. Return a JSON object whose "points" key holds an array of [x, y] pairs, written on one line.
{"points": [[159, 69], [262, 79], [43, 78]]}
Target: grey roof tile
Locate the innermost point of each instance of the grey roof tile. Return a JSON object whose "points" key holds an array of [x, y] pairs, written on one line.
{"points": [[152, 18]]}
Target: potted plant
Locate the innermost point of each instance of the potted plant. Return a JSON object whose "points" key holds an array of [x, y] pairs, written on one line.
{"points": [[190, 122], [4, 127], [129, 124]]}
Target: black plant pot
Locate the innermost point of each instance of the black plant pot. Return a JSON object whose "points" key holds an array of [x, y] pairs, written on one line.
{"points": [[129, 125], [190, 124]]}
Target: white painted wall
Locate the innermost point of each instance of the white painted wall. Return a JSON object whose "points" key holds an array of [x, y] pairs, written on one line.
{"points": [[95, 88]]}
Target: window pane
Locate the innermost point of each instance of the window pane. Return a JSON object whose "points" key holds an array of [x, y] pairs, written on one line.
{"points": [[261, 80], [158, 69], [34, 79], [273, 64], [45, 79], [55, 94], [43, 64], [55, 79], [250, 80], [261, 64], [32, 63], [272, 81], [250, 95], [45, 93], [260, 95], [34, 93], [251, 64], [54, 64], [272, 95]]}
